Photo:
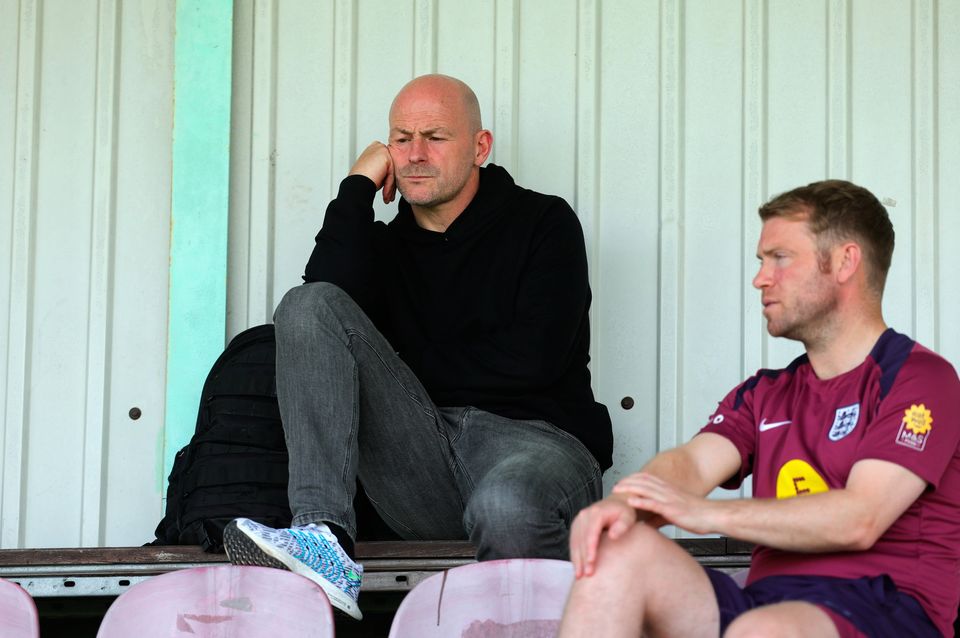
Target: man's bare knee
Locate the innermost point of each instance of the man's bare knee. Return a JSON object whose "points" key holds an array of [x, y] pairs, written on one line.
{"points": [[639, 558], [642, 572], [641, 545]]}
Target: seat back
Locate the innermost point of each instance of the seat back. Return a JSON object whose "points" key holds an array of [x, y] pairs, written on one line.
{"points": [[516, 597], [18, 613], [226, 600]]}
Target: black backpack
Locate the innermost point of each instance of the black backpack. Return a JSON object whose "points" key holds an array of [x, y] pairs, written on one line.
{"points": [[236, 463]]}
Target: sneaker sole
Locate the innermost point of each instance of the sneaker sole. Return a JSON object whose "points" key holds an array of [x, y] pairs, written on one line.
{"points": [[243, 550]]}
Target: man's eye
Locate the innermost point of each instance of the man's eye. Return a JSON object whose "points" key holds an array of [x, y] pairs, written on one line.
{"points": [[434, 138]]}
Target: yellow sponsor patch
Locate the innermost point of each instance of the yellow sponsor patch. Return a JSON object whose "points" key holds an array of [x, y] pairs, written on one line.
{"points": [[798, 477], [915, 427], [918, 419]]}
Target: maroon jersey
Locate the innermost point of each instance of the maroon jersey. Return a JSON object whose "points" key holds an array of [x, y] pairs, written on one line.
{"points": [[800, 435]]}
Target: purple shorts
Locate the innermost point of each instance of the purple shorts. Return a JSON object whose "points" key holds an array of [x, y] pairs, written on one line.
{"points": [[869, 606]]}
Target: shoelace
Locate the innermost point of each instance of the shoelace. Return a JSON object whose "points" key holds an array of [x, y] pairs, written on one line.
{"points": [[319, 554], [322, 556]]}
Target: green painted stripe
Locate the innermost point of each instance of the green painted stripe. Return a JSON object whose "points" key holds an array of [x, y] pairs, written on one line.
{"points": [[198, 220]]}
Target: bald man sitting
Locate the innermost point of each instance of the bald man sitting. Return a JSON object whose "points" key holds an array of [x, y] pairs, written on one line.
{"points": [[440, 358]]}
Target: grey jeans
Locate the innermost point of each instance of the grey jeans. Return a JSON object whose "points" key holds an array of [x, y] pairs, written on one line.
{"points": [[352, 408]]}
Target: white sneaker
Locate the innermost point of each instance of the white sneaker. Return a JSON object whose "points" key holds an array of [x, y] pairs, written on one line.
{"points": [[312, 551]]}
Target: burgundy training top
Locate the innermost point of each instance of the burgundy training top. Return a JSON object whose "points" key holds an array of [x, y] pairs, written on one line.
{"points": [[800, 435]]}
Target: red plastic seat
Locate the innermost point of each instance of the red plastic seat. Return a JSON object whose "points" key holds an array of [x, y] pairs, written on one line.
{"points": [[225, 600], [517, 597], [18, 613]]}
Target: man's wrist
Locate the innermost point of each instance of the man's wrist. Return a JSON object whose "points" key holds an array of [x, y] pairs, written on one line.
{"points": [[718, 516], [357, 187]]}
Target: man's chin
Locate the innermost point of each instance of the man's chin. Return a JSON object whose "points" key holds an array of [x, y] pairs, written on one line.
{"points": [[416, 197], [785, 332], [775, 330], [423, 202]]}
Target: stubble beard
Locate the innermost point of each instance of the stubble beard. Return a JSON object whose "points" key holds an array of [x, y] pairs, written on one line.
{"points": [[429, 198], [810, 322], [445, 188]]}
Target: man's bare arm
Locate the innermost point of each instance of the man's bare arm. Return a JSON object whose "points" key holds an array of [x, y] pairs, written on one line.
{"points": [[849, 519], [698, 466], [695, 467]]}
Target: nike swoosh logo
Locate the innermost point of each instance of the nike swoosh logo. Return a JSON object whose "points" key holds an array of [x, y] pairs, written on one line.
{"points": [[764, 426]]}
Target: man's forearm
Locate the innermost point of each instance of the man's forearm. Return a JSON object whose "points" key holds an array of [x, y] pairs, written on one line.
{"points": [[673, 487], [843, 519], [679, 469], [825, 522], [698, 466]]}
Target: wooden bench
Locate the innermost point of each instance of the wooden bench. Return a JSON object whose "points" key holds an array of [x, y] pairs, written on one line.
{"points": [[389, 566]]}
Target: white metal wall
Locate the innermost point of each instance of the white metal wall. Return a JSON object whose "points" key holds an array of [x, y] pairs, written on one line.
{"points": [[665, 123], [85, 122]]}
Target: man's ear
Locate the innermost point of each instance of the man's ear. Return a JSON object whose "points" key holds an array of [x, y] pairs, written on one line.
{"points": [[848, 260], [483, 144]]}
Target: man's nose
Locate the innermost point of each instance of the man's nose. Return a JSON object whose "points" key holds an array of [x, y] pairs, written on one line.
{"points": [[761, 279], [418, 150]]}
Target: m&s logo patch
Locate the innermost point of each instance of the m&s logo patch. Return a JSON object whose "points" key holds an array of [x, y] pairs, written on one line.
{"points": [[915, 427]]}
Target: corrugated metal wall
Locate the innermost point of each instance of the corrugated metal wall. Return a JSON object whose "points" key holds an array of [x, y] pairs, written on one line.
{"points": [[86, 96], [664, 123]]}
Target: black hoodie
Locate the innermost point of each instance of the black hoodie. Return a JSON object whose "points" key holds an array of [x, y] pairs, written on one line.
{"points": [[492, 313]]}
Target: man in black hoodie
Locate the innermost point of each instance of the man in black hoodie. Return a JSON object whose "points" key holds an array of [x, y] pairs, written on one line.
{"points": [[440, 358]]}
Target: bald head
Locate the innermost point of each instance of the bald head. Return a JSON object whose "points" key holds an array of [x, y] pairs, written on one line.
{"points": [[450, 92], [437, 147]]}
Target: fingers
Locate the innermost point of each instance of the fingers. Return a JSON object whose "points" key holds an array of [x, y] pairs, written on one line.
{"points": [[618, 528], [591, 541], [646, 504], [390, 181], [389, 188], [576, 556], [646, 492], [612, 515], [580, 540], [666, 503], [638, 481], [643, 485]]}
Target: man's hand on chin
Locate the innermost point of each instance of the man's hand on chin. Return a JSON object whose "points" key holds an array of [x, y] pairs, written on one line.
{"points": [[376, 163]]}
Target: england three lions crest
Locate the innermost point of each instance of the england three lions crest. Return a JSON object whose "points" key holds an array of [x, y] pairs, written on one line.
{"points": [[844, 422]]}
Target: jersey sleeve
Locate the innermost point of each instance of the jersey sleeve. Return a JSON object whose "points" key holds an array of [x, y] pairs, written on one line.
{"points": [[917, 424], [734, 420]]}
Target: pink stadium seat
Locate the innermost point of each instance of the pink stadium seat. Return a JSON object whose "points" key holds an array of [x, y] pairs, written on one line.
{"points": [[227, 601], [18, 613], [504, 598]]}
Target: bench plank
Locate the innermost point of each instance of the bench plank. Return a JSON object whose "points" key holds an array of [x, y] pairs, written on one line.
{"points": [[388, 565], [194, 554]]}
